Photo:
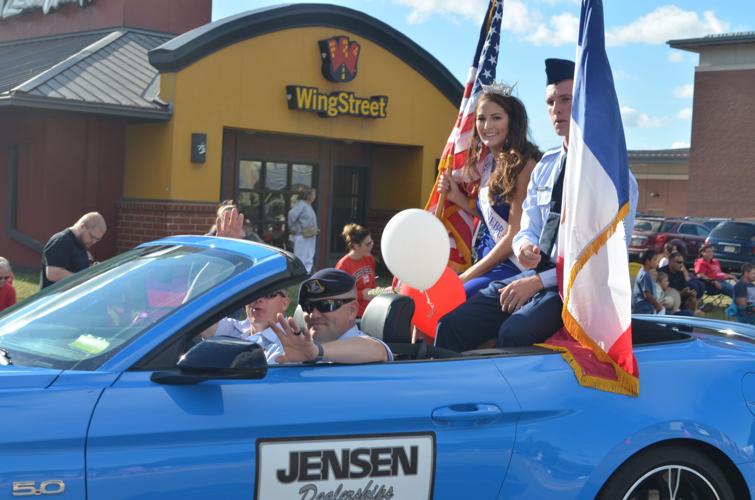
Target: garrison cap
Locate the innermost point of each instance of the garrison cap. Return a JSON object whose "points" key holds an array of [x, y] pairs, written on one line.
{"points": [[326, 283], [558, 70]]}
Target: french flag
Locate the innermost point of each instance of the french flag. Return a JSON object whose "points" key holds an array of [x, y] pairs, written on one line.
{"points": [[592, 254]]}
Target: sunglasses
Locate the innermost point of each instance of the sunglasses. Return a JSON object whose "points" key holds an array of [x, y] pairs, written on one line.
{"points": [[325, 306], [4, 278], [272, 295]]}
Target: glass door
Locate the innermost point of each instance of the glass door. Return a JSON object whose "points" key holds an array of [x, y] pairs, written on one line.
{"points": [[349, 203], [266, 190]]}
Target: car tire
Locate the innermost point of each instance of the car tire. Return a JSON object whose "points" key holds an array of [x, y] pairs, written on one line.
{"points": [[668, 472]]}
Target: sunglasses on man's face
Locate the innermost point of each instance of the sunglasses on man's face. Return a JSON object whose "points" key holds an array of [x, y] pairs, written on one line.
{"points": [[272, 295], [325, 306]]}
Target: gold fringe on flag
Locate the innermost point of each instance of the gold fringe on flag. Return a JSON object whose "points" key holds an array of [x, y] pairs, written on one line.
{"points": [[624, 383]]}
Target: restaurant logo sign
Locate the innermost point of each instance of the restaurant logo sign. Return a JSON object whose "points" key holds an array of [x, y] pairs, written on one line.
{"points": [[336, 103], [339, 58]]}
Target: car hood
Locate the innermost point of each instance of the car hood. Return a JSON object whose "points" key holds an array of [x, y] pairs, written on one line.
{"points": [[21, 377]]}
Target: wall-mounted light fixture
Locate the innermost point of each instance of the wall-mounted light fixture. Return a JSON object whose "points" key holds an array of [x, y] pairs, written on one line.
{"points": [[198, 148]]}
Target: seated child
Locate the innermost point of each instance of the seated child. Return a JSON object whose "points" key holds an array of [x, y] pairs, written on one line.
{"points": [[7, 292]]}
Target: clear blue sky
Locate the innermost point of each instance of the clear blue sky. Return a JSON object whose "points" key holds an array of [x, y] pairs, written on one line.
{"points": [[653, 81]]}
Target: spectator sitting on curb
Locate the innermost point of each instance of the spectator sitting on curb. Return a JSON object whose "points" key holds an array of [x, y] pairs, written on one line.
{"points": [[709, 270], [744, 295], [7, 292], [643, 294]]}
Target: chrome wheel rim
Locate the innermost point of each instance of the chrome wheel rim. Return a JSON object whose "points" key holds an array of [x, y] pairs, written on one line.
{"points": [[672, 482]]}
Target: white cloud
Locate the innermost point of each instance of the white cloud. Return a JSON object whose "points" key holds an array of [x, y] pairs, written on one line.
{"points": [[680, 144], [556, 2], [662, 24], [634, 118], [517, 18], [665, 23], [422, 10], [675, 56], [684, 91], [561, 29], [684, 114], [620, 75]]}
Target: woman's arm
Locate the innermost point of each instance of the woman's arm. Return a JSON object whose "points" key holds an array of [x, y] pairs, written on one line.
{"points": [[502, 249]]}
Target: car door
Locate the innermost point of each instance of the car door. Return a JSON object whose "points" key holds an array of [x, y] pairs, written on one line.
{"points": [[408, 429]]}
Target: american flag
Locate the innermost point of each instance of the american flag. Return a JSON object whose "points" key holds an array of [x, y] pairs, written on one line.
{"points": [[460, 224], [592, 255]]}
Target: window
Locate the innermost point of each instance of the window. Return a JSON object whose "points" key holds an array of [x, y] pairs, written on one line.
{"points": [[267, 190], [102, 312]]}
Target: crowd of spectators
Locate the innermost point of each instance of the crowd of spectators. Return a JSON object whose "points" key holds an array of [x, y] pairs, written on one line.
{"points": [[664, 285]]}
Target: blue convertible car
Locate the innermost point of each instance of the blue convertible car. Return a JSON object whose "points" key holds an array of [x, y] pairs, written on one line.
{"points": [[105, 393]]}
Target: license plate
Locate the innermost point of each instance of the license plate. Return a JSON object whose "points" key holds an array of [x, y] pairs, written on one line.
{"points": [[730, 249], [637, 241]]}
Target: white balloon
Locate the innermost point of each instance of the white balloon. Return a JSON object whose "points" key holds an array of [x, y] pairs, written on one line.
{"points": [[415, 247]]}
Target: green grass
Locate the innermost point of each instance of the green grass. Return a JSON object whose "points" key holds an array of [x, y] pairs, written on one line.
{"points": [[25, 281]]}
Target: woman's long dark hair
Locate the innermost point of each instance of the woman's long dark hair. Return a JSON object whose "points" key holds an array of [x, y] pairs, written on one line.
{"points": [[517, 149]]}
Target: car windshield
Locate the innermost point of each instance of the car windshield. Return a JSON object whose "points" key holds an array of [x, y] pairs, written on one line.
{"points": [[84, 320], [734, 231], [647, 225]]}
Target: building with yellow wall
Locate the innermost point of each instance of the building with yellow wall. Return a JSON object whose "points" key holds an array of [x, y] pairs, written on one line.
{"points": [[276, 99]]}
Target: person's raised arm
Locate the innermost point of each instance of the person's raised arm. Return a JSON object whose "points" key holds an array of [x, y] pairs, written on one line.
{"points": [[300, 346]]}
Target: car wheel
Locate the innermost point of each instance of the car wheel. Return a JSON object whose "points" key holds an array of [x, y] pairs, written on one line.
{"points": [[671, 472]]}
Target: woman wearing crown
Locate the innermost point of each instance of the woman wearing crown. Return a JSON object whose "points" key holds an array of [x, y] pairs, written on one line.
{"points": [[498, 169]]}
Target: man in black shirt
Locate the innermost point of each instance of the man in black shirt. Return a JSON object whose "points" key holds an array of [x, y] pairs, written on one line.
{"points": [[67, 252], [678, 276]]}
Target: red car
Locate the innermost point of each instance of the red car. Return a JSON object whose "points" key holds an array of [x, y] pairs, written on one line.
{"points": [[654, 232]]}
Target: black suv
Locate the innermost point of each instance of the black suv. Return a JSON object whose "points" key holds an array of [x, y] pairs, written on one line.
{"points": [[733, 243]]}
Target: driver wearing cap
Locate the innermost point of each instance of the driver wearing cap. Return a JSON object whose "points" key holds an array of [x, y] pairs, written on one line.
{"points": [[329, 300]]}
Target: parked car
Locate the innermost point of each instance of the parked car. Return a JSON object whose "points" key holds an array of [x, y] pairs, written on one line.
{"points": [[709, 222], [734, 244], [106, 395], [654, 232]]}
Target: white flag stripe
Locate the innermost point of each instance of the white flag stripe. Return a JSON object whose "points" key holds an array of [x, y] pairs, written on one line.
{"points": [[585, 177]]}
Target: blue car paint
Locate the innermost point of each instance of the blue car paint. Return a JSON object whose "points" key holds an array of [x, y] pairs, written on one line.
{"points": [[202, 437], [112, 433], [587, 434], [44, 428]]}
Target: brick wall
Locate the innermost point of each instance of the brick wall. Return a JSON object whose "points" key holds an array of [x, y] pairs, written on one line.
{"points": [[140, 221], [721, 179]]}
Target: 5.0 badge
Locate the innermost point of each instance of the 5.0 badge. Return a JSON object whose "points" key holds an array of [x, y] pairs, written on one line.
{"points": [[30, 488]]}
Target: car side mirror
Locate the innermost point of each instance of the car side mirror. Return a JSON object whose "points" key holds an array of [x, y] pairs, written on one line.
{"points": [[216, 358]]}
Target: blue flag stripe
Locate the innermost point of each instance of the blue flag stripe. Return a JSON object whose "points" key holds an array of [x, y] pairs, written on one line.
{"points": [[596, 107]]}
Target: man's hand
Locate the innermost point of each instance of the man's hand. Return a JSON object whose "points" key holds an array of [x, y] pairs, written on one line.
{"points": [[230, 224], [716, 284], [516, 294], [529, 256], [297, 344]]}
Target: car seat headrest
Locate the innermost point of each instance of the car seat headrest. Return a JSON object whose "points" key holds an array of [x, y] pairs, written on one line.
{"points": [[389, 317]]}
